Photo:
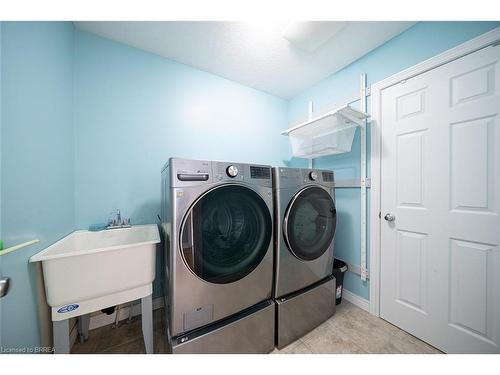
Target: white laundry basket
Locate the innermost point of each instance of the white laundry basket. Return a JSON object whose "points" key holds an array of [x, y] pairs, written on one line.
{"points": [[328, 134], [308, 143]]}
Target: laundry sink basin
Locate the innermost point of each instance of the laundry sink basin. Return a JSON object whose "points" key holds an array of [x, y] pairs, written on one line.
{"points": [[88, 271]]}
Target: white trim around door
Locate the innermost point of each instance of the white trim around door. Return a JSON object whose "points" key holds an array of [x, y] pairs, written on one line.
{"points": [[490, 38]]}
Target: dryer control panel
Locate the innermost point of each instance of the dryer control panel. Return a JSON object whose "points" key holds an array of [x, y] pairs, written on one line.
{"points": [[289, 177]]}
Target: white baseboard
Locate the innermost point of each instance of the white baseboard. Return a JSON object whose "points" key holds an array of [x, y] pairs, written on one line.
{"points": [[101, 319], [356, 300]]}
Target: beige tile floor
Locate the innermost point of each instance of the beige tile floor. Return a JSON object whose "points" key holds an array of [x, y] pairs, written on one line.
{"points": [[350, 330]]}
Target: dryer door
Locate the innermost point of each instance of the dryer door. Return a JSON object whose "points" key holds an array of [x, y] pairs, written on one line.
{"points": [[226, 234], [310, 222]]}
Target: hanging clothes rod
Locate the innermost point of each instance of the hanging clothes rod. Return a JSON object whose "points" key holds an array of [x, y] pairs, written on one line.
{"points": [[17, 247]]}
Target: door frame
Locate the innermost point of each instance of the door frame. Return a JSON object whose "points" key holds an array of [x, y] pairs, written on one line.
{"points": [[489, 38]]}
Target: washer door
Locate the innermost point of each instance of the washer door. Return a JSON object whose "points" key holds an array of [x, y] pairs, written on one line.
{"points": [[310, 223], [226, 234]]}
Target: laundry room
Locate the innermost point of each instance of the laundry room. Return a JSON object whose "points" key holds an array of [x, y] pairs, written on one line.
{"points": [[299, 185]]}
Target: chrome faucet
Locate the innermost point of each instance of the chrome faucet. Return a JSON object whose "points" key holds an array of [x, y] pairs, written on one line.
{"points": [[118, 222]]}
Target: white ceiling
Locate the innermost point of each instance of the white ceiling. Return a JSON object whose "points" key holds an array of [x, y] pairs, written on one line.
{"points": [[254, 54]]}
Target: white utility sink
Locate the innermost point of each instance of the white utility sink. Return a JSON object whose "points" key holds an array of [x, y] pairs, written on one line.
{"points": [[88, 271]]}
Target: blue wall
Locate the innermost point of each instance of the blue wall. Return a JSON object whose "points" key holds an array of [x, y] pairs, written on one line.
{"points": [[37, 177], [88, 123], [133, 110], [420, 42]]}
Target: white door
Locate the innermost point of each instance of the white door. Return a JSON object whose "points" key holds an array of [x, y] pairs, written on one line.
{"points": [[440, 180]]}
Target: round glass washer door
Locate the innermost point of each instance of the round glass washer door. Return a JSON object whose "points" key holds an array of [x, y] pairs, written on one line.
{"points": [[310, 223], [226, 234]]}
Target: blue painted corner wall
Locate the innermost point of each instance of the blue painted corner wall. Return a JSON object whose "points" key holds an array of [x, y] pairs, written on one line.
{"points": [[418, 43], [133, 110], [37, 177], [87, 125]]}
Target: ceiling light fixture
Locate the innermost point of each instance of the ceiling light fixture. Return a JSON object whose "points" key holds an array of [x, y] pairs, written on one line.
{"points": [[310, 35]]}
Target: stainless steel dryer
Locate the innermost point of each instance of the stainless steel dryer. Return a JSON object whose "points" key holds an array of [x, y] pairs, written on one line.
{"points": [[218, 220], [305, 223]]}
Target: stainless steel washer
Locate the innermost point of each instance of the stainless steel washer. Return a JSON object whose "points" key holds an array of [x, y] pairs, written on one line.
{"points": [[305, 223], [219, 252]]}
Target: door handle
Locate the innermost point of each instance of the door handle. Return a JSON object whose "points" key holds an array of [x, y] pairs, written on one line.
{"points": [[389, 217], [4, 286], [193, 176]]}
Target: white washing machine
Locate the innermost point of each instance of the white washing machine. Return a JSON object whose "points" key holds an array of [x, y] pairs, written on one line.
{"points": [[305, 223], [218, 219]]}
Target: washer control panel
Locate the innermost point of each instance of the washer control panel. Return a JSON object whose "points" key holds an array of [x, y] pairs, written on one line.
{"points": [[327, 176], [238, 172], [261, 173], [188, 172]]}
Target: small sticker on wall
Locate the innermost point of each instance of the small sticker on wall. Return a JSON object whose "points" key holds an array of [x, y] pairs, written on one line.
{"points": [[67, 309]]}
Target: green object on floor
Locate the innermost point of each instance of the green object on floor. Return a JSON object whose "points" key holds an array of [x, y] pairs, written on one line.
{"points": [[1, 245]]}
